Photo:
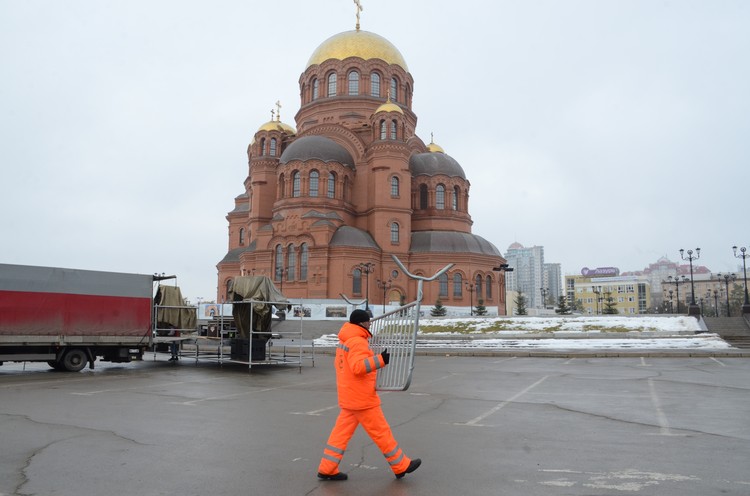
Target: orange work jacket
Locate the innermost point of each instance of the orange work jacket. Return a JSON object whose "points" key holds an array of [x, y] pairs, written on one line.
{"points": [[356, 367]]}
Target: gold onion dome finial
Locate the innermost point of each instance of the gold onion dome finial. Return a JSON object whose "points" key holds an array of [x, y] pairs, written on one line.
{"points": [[275, 124], [389, 106], [432, 147]]}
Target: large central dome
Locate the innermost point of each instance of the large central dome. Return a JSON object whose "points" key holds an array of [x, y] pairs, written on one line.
{"points": [[363, 44]]}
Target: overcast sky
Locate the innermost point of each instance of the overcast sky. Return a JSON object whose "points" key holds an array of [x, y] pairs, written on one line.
{"points": [[610, 132]]}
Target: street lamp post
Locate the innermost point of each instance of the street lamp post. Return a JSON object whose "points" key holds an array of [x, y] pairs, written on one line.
{"points": [[693, 308], [716, 300], [280, 276], [367, 268], [743, 255], [597, 298], [545, 292], [385, 286], [676, 280], [503, 268], [727, 278], [470, 288]]}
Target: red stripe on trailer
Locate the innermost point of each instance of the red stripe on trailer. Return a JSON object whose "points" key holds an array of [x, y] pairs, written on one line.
{"points": [[40, 313]]}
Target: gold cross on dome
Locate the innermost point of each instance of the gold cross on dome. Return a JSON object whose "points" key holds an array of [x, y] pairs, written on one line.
{"points": [[278, 110], [359, 9]]}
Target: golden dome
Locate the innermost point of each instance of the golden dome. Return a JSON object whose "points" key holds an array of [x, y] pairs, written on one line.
{"points": [[389, 106], [276, 125], [358, 43], [433, 148]]}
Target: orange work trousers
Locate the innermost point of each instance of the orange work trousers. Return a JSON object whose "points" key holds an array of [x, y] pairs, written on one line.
{"points": [[374, 423]]}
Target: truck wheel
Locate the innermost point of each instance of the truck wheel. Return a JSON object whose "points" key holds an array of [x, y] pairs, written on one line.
{"points": [[55, 365], [74, 360]]}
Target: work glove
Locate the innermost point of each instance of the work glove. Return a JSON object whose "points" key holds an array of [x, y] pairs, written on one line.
{"points": [[386, 356]]}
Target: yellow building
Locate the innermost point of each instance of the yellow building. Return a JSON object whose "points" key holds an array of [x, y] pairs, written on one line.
{"points": [[596, 295]]}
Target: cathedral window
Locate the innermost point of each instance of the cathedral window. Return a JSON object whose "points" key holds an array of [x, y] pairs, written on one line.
{"points": [[353, 83], [332, 84], [478, 286], [394, 187], [394, 232], [455, 198], [457, 286], [278, 264], [423, 197], [272, 151], [282, 186], [315, 89], [382, 130], [314, 183], [357, 282], [331, 185], [242, 235], [291, 262], [263, 146], [375, 84], [394, 125], [440, 197], [394, 89], [296, 184], [443, 282], [304, 254], [488, 287]]}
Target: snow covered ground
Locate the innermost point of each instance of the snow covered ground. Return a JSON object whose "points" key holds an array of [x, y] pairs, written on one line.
{"points": [[561, 333]]}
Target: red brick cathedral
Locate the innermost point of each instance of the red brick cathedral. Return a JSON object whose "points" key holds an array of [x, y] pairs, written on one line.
{"points": [[325, 205]]}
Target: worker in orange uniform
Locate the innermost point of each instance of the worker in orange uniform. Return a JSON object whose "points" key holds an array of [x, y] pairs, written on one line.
{"points": [[356, 367]]}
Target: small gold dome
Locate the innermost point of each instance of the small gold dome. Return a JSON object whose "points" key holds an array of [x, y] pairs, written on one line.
{"points": [[358, 43], [275, 125], [433, 148], [389, 106]]}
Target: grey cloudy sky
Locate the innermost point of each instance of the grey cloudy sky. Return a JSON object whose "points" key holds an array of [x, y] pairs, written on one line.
{"points": [[610, 132]]}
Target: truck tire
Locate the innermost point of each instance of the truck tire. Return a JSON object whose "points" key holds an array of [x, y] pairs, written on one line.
{"points": [[74, 360], [55, 365]]}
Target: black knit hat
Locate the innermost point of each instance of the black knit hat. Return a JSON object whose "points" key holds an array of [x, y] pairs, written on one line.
{"points": [[358, 316]]}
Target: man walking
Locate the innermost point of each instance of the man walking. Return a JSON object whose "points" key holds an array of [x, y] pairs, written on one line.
{"points": [[356, 368]]}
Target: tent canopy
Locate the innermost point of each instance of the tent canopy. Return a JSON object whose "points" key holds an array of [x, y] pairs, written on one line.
{"points": [[257, 315]]}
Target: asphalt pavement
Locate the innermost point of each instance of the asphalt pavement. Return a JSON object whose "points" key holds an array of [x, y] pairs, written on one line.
{"points": [[481, 425]]}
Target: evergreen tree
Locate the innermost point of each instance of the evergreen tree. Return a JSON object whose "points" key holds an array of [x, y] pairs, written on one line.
{"points": [[438, 310], [520, 302], [610, 305], [562, 306], [480, 309]]}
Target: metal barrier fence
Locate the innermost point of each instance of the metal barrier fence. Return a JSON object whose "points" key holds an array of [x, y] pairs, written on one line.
{"points": [[396, 331]]}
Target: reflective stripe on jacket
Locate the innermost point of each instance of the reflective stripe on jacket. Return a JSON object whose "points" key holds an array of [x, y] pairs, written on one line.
{"points": [[356, 368]]}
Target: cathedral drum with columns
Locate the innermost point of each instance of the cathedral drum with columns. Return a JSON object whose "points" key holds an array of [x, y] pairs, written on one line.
{"points": [[325, 205]]}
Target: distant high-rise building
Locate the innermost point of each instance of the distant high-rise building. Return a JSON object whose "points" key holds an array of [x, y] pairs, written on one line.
{"points": [[552, 280], [527, 276]]}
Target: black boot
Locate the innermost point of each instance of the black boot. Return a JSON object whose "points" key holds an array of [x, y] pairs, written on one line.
{"points": [[335, 477], [413, 465]]}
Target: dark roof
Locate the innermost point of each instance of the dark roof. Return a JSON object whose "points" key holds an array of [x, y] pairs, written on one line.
{"points": [[433, 164], [451, 242], [316, 147], [351, 236], [234, 255]]}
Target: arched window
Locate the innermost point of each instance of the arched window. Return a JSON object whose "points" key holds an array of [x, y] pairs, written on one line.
{"points": [[263, 146], [394, 89], [374, 84], [331, 193], [291, 255], [443, 281], [242, 235], [332, 84], [382, 130], [278, 264], [394, 187], [488, 288], [478, 286], [282, 186], [454, 200], [457, 286], [440, 197], [304, 255], [394, 232], [357, 282], [296, 184], [354, 83], [394, 125], [272, 151], [315, 89], [314, 183], [423, 198]]}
